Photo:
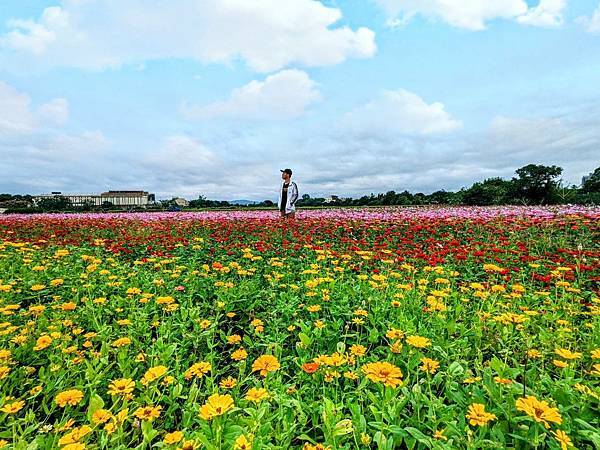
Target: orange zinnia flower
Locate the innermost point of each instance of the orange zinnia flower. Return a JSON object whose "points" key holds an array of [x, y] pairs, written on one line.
{"points": [[310, 367], [265, 364]]}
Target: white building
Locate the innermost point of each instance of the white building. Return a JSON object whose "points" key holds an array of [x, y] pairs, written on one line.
{"points": [[115, 198], [75, 199], [127, 198]]}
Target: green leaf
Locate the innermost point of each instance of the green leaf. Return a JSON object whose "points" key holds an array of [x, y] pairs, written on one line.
{"points": [[148, 431], [95, 404], [304, 339], [418, 435], [455, 369]]}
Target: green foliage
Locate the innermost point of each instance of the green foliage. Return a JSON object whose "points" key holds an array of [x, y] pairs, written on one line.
{"points": [[592, 184], [55, 203], [536, 184]]}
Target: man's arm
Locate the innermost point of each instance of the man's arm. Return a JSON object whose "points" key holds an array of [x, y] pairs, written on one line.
{"points": [[294, 194]]}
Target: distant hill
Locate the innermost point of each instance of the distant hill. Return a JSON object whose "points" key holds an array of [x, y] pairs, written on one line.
{"points": [[243, 202]]}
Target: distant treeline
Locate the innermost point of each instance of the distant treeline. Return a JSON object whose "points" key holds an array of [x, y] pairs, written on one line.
{"points": [[533, 184]]}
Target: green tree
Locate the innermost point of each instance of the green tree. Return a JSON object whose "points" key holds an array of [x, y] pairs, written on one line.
{"points": [[536, 183], [592, 184], [493, 191], [441, 197], [57, 203]]}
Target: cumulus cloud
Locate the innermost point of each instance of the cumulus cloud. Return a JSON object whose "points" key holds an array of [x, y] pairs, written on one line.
{"points": [[591, 24], [55, 112], [548, 13], [422, 164], [400, 112], [400, 142], [17, 115], [181, 152], [555, 138], [283, 95], [474, 14], [324, 162], [41, 161], [35, 37], [267, 34], [38, 154]]}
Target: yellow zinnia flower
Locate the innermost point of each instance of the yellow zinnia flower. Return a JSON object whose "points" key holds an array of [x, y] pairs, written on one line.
{"points": [[121, 342], [42, 342], [148, 412], [228, 383], [122, 386], [239, 355], [153, 374], [429, 365], [69, 397], [101, 416], [198, 370], [13, 407], [4, 371], [188, 445], [257, 395], [173, 438], [75, 436], [265, 364], [418, 341], [563, 439], [559, 363], [567, 354], [242, 443], [383, 372], [477, 415], [539, 410], [216, 405], [358, 350]]}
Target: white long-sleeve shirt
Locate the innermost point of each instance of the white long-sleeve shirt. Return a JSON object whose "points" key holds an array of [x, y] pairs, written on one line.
{"points": [[292, 197]]}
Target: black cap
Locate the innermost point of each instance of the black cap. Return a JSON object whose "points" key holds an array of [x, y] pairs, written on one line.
{"points": [[288, 171]]}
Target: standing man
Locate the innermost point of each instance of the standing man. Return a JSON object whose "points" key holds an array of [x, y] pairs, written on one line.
{"points": [[288, 195]]}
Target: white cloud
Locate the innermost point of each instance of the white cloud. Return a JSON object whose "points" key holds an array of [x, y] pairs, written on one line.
{"points": [[41, 162], [283, 95], [181, 152], [550, 137], [32, 36], [55, 112], [267, 34], [469, 14], [400, 112], [548, 13], [474, 14], [591, 24], [18, 116], [239, 166]]}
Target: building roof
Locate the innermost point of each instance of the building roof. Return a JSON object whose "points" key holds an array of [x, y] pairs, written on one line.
{"points": [[124, 193]]}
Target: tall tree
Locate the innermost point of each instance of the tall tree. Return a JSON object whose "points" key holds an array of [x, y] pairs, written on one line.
{"points": [[592, 184], [493, 191], [536, 183]]}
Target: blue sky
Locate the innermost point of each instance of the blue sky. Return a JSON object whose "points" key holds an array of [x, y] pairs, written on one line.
{"points": [[212, 97]]}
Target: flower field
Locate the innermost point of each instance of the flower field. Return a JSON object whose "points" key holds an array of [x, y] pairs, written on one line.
{"points": [[345, 329]]}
